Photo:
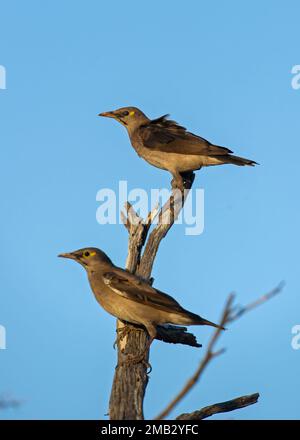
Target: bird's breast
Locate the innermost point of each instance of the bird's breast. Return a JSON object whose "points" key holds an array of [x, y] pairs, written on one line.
{"points": [[169, 161]]}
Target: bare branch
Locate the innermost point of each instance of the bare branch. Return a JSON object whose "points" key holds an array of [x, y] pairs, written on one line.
{"points": [[208, 356], [167, 216], [176, 335], [239, 311], [130, 380], [229, 315], [230, 405], [137, 229]]}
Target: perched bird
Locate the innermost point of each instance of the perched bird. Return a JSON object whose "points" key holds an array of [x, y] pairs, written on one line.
{"points": [[129, 298], [169, 146]]}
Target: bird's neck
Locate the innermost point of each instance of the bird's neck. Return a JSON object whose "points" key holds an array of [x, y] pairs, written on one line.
{"points": [[96, 281], [132, 128], [95, 273]]}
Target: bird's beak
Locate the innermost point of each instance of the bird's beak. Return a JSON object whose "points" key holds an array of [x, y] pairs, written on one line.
{"points": [[107, 114], [67, 255]]}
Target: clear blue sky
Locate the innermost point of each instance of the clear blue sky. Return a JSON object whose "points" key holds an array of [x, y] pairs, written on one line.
{"points": [[223, 69]]}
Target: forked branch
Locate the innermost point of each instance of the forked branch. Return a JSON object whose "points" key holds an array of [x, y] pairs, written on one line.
{"points": [[130, 380], [230, 313]]}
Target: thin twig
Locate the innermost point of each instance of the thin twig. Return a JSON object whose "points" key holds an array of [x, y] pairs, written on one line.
{"points": [[228, 315], [241, 310], [208, 356]]}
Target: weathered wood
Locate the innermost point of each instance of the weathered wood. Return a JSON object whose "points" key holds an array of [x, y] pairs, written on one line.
{"points": [[176, 335], [230, 405], [130, 380], [168, 214]]}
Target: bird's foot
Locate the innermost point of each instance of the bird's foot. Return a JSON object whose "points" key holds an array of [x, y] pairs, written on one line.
{"points": [[122, 332], [177, 183]]}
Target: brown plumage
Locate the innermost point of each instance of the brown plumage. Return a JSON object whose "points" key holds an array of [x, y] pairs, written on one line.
{"points": [[169, 146], [129, 298]]}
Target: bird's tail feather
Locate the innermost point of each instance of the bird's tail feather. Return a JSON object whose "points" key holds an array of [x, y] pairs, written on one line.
{"points": [[212, 324], [193, 319], [236, 160]]}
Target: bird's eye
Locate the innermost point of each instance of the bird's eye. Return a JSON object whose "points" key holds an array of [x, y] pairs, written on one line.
{"points": [[126, 113], [86, 254]]}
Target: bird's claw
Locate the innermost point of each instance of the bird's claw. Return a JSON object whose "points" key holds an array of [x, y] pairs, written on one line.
{"points": [[177, 184], [122, 332]]}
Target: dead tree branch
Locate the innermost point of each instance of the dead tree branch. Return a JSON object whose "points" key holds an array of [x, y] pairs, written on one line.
{"points": [[176, 335], [230, 405], [130, 380], [230, 314], [239, 311]]}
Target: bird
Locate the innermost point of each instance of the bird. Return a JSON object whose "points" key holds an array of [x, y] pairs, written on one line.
{"points": [[167, 145], [130, 298]]}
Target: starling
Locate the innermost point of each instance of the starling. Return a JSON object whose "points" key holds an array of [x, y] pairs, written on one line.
{"points": [[169, 146], [129, 298]]}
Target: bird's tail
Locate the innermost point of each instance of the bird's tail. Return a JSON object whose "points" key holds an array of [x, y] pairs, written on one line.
{"points": [[236, 160], [212, 324], [193, 319]]}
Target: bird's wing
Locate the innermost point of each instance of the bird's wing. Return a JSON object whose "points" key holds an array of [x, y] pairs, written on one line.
{"points": [[166, 135], [132, 288]]}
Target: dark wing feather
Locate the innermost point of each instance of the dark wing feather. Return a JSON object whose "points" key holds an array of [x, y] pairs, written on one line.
{"points": [[132, 288], [166, 135]]}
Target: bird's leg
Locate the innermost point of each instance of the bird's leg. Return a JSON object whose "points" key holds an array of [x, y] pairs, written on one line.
{"points": [[177, 182]]}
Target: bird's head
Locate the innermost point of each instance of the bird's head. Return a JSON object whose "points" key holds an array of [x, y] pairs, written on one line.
{"points": [[130, 117], [90, 258]]}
